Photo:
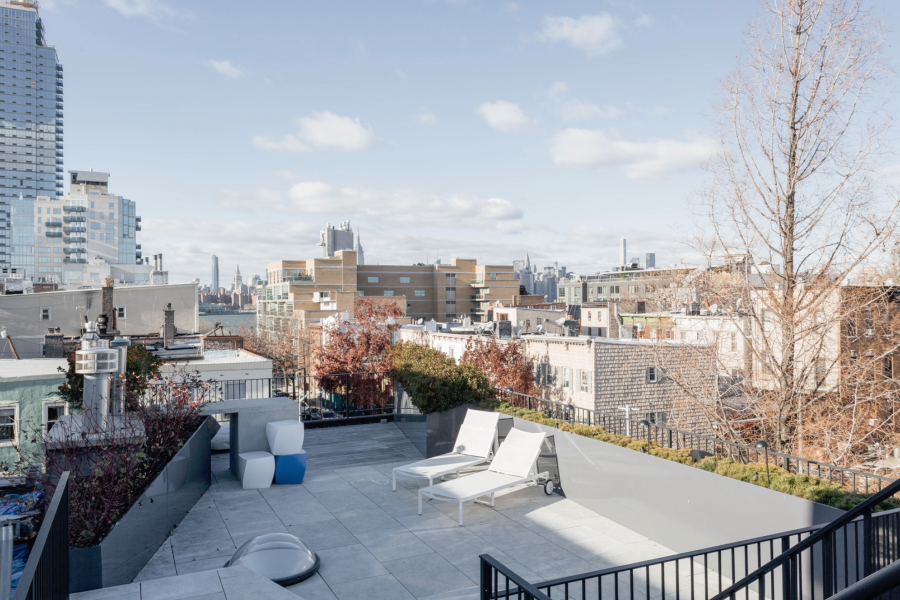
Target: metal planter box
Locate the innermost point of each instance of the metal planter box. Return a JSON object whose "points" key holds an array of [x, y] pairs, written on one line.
{"points": [[132, 543]]}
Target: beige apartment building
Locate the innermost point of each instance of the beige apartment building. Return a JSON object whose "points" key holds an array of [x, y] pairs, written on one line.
{"points": [[309, 290]]}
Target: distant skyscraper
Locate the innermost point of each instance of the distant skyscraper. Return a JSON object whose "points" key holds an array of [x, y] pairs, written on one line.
{"points": [[238, 282], [215, 274], [31, 118], [360, 255], [623, 259]]}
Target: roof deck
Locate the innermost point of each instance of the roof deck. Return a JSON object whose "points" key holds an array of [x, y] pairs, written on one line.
{"points": [[371, 541]]}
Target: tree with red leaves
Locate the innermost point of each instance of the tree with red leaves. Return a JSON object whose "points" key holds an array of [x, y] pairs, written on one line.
{"points": [[361, 345], [505, 365]]}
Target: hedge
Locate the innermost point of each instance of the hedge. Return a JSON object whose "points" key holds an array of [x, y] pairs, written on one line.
{"points": [[435, 382], [802, 486]]}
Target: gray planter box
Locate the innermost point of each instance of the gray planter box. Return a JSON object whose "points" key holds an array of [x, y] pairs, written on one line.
{"points": [[132, 543]]}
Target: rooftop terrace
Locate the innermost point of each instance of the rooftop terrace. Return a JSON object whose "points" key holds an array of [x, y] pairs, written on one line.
{"points": [[371, 541]]}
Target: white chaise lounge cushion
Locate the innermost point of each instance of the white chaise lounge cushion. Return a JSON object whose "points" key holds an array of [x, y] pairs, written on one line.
{"points": [[472, 486], [439, 465], [476, 436], [517, 453]]}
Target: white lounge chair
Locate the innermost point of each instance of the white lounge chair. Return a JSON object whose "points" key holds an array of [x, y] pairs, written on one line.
{"points": [[474, 445], [514, 464]]}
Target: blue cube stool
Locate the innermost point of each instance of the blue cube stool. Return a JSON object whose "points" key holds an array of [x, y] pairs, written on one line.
{"points": [[290, 468]]}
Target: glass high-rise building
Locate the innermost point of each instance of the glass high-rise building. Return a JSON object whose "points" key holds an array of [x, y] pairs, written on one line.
{"points": [[31, 129], [214, 286]]}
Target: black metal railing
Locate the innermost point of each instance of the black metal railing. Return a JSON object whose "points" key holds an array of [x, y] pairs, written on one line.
{"points": [[46, 574], [346, 395], [847, 550], [218, 391], [884, 584], [708, 573], [866, 483], [498, 581]]}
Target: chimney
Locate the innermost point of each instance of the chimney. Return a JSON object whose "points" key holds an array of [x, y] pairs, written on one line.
{"points": [[168, 326], [107, 305], [53, 344], [160, 268], [622, 258]]}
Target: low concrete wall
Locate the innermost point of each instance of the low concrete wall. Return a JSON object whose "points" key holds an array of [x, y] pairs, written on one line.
{"points": [[678, 506], [132, 543]]}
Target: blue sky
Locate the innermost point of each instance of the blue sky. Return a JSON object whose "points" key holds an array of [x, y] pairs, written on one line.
{"points": [[451, 128]]}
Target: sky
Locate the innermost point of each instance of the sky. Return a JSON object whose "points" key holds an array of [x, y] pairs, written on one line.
{"points": [[439, 128]]}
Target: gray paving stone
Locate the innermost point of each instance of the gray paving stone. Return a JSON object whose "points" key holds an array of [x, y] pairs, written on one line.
{"points": [[177, 588], [393, 543], [348, 563], [313, 588], [320, 535], [383, 587], [427, 574]]}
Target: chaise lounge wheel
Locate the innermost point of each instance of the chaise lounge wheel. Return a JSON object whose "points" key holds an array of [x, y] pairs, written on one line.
{"points": [[548, 487]]}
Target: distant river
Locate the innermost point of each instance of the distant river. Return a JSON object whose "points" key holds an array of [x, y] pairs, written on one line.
{"points": [[231, 322]]}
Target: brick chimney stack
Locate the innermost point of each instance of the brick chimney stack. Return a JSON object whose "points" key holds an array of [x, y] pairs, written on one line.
{"points": [[108, 307], [168, 326]]}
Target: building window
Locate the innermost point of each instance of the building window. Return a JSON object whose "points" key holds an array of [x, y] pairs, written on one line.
{"points": [[361, 293], [8, 424], [111, 205], [567, 378], [733, 341], [641, 308], [52, 412], [388, 292], [373, 280], [45, 314], [120, 312], [633, 289], [493, 276], [589, 315], [652, 375], [404, 280], [585, 381], [420, 293], [613, 289], [527, 323]]}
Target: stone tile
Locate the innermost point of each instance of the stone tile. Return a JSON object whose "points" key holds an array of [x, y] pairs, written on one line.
{"points": [[320, 535], [427, 574], [613, 530], [325, 481], [550, 560], [313, 588], [348, 563], [393, 543], [472, 593], [205, 564], [383, 587], [298, 510], [131, 591], [203, 549], [362, 474], [343, 502], [507, 536], [540, 518], [586, 543], [161, 565], [427, 521], [186, 586], [243, 584], [368, 520]]}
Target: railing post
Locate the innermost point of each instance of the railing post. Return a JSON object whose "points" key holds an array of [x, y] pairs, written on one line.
{"points": [[828, 566], [487, 591], [868, 559]]}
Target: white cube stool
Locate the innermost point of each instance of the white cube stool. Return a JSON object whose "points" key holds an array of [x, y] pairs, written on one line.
{"points": [[257, 470], [285, 437]]}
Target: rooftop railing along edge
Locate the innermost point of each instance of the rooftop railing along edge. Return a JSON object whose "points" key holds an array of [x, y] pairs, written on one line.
{"points": [[676, 439], [46, 574]]}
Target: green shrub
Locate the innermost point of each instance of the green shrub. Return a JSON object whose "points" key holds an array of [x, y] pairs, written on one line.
{"points": [[795, 484], [435, 382]]}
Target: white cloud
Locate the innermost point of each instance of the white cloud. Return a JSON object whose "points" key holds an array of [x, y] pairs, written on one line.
{"points": [[323, 130], [147, 9], [290, 176], [328, 130], [558, 89], [644, 20], [426, 117], [392, 208], [593, 34], [576, 110], [224, 68], [641, 160], [504, 116], [289, 143]]}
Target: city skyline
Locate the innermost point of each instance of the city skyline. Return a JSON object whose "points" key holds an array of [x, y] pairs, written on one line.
{"points": [[459, 130]]}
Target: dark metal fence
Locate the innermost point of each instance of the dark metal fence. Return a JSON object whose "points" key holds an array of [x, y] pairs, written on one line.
{"points": [[217, 391], [46, 574], [866, 483], [345, 395], [497, 581], [707, 574]]}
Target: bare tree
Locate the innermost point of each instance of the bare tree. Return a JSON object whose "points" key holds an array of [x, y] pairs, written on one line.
{"points": [[795, 198]]}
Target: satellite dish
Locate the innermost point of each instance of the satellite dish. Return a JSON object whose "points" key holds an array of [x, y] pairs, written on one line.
{"points": [[639, 326], [519, 332], [539, 328], [561, 321], [420, 321]]}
